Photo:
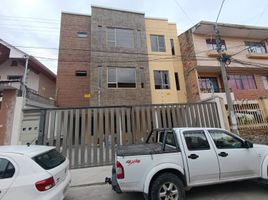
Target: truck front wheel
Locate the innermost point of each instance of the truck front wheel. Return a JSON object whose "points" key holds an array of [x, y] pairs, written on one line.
{"points": [[167, 186]]}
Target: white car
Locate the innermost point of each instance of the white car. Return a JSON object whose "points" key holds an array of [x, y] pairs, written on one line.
{"points": [[33, 172], [172, 161]]}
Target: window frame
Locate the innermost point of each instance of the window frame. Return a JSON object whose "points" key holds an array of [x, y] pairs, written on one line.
{"points": [[254, 47], [212, 42], [229, 134], [265, 81], [198, 131], [81, 73], [116, 77], [115, 39], [172, 47], [158, 46], [240, 82], [13, 79], [162, 86]]}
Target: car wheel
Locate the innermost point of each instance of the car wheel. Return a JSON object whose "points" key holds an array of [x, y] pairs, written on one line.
{"points": [[167, 186]]}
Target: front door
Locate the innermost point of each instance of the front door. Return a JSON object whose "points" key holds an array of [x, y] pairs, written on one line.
{"points": [[236, 161], [201, 158]]}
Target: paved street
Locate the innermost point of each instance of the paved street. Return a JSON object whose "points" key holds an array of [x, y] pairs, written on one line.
{"points": [[230, 191]]}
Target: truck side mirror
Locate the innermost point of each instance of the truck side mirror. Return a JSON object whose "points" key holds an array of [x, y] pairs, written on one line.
{"points": [[248, 144]]}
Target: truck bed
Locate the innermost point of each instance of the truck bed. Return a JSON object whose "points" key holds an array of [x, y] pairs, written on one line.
{"points": [[143, 149]]}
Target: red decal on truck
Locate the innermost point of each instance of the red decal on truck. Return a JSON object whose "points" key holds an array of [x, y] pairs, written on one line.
{"points": [[130, 162]]}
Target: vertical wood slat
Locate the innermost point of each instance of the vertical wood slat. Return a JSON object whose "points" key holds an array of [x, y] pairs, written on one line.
{"points": [[112, 134], [76, 138], [211, 115], [215, 115], [118, 130], [58, 130], [159, 119], [164, 116], [187, 113], [143, 124], [129, 133], [206, 116], [138, 128], [123, 124], [169, 119], [95, 136], [82, 139], [52, 128], [89, 132], [192, 115], [149, 120], [70, 139], [107, 143], [197, 115], [101, 134], [65, 132], [202, 117], [180, 119], [154, 116], [174, 116]]}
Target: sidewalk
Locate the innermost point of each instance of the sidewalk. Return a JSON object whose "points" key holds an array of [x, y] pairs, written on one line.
{"points": [[90, 176]]}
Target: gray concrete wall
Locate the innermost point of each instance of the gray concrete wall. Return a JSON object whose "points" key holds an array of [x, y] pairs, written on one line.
{"points": [[103, 55]]}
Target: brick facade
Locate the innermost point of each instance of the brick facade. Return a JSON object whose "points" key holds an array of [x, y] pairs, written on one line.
{"points": [[189, 66], [74, 54], [93, 55]]}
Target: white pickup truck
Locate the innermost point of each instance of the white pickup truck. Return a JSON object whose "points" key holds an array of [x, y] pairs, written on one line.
{"points": [[172, 161]]}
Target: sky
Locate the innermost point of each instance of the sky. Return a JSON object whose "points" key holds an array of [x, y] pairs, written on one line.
{"points": [[34, 25]]}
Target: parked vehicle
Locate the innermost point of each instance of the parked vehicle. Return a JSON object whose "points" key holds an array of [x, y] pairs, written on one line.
{"points": [[33, 172], [172, 161]]}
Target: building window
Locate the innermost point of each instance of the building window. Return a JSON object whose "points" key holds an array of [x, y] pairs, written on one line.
{"points": [[142, 75], [158, 43], [82, 34], [256, 47], [208, 84], [161, 80], [14, 63], [172, 47], [211, 44], [138, 39], [177, 81], [119, 77], [120, 37], [80, 73], [265, 82], [14, 78], [241, 82]]}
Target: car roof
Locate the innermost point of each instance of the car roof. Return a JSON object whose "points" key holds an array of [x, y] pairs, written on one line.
{"points": [[30, 151], [195, 128]]}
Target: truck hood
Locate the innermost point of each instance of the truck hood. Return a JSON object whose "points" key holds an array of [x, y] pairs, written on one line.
{"points": [[261, 149]]}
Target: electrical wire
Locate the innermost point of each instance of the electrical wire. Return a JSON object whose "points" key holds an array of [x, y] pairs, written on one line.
{"points": [[223, 1], [184, 12]]}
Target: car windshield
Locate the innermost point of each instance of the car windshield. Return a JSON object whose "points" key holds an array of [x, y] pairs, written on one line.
{"points": [[50, 159]]}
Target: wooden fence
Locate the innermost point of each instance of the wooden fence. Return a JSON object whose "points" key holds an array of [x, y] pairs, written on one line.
{"points": [[89, 136]]}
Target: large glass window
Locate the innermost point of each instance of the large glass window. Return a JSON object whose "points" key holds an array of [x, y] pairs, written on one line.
{"points": [[196, 140], [7, 169], [161, 79], [211, 44], [265, 82], [119, 77], [120, 37], [158, 43], [256, 47], [208, 84], [241, 82], [224, 140]]}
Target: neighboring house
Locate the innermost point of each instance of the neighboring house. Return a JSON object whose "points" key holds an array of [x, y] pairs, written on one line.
{"points": [[40, 90], [166, 70], [103, 60], [247, 72]]}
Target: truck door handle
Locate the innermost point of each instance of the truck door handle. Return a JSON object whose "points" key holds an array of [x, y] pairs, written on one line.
{"points": [[223, 154], [193, 156]]}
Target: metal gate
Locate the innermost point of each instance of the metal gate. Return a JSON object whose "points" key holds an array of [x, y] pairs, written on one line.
{"points": [[89, 136]]}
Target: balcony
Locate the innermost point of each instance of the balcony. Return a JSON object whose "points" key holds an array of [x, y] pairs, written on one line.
{"points": [[257, 55], [205, 94]]}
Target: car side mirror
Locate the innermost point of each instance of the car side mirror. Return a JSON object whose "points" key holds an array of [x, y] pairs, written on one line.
{"points": [[248, 144]]}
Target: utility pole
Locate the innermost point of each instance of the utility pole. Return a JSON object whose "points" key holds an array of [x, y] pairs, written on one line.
{"points": [[223, 59], [24, 89]]}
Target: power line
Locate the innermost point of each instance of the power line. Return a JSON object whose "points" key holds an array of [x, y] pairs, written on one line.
{"points": [[220, 11], [184, 12], [28, 18]]}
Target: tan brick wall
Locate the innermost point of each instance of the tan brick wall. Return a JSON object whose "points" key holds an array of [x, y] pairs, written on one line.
{"points": [[252, 94], [74, 54], [189, 64], [7, 115]]}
